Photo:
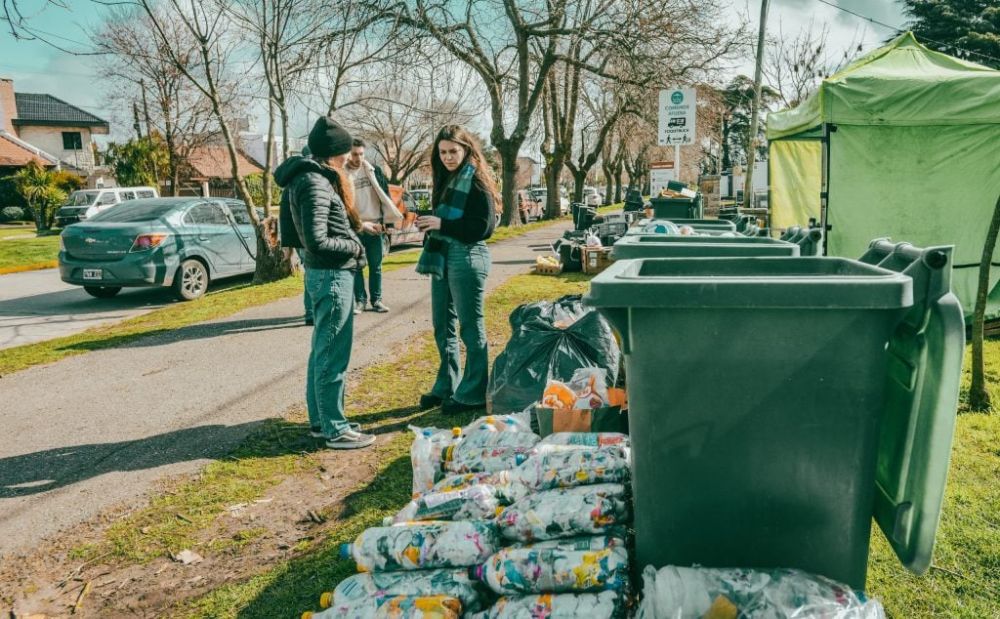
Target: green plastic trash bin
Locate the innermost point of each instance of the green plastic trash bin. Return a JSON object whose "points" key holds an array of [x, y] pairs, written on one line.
{"points": [[635, 246], [758, 388], [668, 208], [809, 240]]}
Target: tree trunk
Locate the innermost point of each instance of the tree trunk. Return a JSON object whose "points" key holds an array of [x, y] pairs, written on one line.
{"points": [[269, 159], [618, 183], [608, 184], [579, 178], [286, 148], [553, 206], [41, 224], [979, 397], [508, 161]]}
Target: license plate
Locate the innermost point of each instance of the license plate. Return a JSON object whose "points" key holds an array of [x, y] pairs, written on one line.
{"points": [[93, 274]]}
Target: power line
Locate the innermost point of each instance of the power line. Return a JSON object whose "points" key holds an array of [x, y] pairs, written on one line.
{"points": [[902, 30]]}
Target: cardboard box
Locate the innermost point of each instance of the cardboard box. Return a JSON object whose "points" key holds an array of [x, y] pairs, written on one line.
{"points": [[596, 259]]}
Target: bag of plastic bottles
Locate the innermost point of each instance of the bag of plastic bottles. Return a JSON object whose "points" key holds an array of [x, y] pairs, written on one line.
{"points": [[510, 422], [570, 566], [484, 460], [378, 585], [567, 469], [473, 503], [604, 605], [565, 512], [399, 607], [582, 440], [690, 593], [425, 455], [423, 545], [461, 481]]}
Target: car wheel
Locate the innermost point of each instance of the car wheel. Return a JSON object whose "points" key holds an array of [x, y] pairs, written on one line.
{"points": [[191, 281], [102, 292]]}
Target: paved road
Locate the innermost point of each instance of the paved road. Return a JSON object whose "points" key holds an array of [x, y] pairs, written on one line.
{"points": [[94, 430], [37, 305]]}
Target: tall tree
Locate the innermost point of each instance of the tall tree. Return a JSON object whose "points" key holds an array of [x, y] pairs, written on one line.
{"points": [[211, 30], [138, 161], [737, 102], [794, 65], [968, 29]]}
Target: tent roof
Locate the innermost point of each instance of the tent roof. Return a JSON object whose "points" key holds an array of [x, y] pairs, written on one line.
{"points": [[902, 83]]}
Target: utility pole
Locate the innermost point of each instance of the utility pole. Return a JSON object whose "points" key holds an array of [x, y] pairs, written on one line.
{"points": [[145, 108], [135, 115], [755, 118]]}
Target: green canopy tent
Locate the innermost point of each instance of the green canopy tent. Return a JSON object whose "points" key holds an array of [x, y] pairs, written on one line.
{"points": [[903, 143]]}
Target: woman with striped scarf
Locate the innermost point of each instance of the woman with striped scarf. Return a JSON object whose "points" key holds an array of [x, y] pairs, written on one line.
{"points": [[458, 261]]}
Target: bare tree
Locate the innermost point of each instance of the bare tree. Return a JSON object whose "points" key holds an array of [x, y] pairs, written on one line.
{"points": [[794, 66], [211, 31], [288, 35], [140, 65]]}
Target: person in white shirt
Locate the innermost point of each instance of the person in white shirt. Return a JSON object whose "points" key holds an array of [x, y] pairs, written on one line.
{"points": [[371, 191]]}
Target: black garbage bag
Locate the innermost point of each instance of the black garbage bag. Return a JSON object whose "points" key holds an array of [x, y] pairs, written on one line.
{"points": [[550, 340]]}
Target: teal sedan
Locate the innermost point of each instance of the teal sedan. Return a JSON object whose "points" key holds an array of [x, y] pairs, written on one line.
{"points": [[181, 243]]}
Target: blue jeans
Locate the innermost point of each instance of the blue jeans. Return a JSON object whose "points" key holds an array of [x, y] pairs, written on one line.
{"points": [[306, 301], [333, 335], [373, 254], [457, 307]]}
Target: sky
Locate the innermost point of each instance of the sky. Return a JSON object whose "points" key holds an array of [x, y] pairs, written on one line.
{"points": [[38, 67]]}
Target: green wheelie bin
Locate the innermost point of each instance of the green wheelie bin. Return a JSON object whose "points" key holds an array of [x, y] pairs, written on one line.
{"points": [[631, 247], [777, 404], [668, 208]]}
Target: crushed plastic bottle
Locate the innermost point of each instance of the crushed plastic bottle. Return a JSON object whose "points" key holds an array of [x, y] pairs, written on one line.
{"points": [[511, 422], [377, 585], [485, 460], [423, 545], [399, 607], [604, 605], [565, 512], [570, 566], [473, 503], [425, 455], [585, 440], [690, 593], [567, 469]]}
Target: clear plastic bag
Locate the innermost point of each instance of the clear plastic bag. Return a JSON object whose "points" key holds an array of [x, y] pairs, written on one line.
{"points": [[568, 512], [689, 593], [484, 460], [581, 440], [568, 566], [424, 545], [604, 605], [454, 583], [398, 607], [473, 503], [567, 469]]}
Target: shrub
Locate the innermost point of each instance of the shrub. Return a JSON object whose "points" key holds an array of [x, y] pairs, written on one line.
{"points": [[12, 213]]}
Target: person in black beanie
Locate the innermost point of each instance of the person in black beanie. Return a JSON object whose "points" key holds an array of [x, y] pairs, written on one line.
{"points": [[321, 218]]}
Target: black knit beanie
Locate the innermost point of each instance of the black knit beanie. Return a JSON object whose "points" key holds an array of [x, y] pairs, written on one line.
{"points": [[329, 139]]}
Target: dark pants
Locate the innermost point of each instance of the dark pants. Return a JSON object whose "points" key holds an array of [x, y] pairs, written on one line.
{"points": [[373, 253], [333, 335], [306, 301], [457, 312]]}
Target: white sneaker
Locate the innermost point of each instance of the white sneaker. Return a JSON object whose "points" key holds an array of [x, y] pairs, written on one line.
{"points": [[317, 432], [350, 439]]}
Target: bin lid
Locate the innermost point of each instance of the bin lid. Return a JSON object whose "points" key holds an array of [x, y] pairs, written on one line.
{"points": [[925, 367], [656, 239], [749, 282]]}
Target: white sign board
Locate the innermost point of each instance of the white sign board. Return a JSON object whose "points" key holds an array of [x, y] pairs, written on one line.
{"points": [[659, 175], [678, 116]]}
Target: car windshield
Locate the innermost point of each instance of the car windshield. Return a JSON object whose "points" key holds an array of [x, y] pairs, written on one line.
{"points": [[135, 211], [81, 198]]}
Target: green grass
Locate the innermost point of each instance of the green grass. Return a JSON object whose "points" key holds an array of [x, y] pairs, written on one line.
{"points": [[28, 254]]}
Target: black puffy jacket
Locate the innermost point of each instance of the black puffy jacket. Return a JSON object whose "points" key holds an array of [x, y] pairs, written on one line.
{"points": [[313, 216]]}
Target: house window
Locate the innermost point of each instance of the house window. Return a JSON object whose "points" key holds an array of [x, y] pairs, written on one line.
{"points": [[72, 140]]}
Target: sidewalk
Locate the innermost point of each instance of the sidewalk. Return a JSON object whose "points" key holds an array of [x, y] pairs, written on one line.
{"points": [[98, 429]]}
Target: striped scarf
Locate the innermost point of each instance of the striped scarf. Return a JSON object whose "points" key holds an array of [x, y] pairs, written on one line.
{"points": [[452, 206]]}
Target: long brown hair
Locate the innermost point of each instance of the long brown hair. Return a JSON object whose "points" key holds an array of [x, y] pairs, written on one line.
{"points": [[473, 154], [344, 187]]}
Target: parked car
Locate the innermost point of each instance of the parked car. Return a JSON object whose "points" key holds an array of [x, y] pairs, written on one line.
{"points": [[591, 196], [181, 243], [530, 207], [86, 203], [541, 196], [421, 196]]}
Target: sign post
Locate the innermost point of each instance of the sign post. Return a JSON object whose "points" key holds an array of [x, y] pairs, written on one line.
{"points": [[677, 120]]}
